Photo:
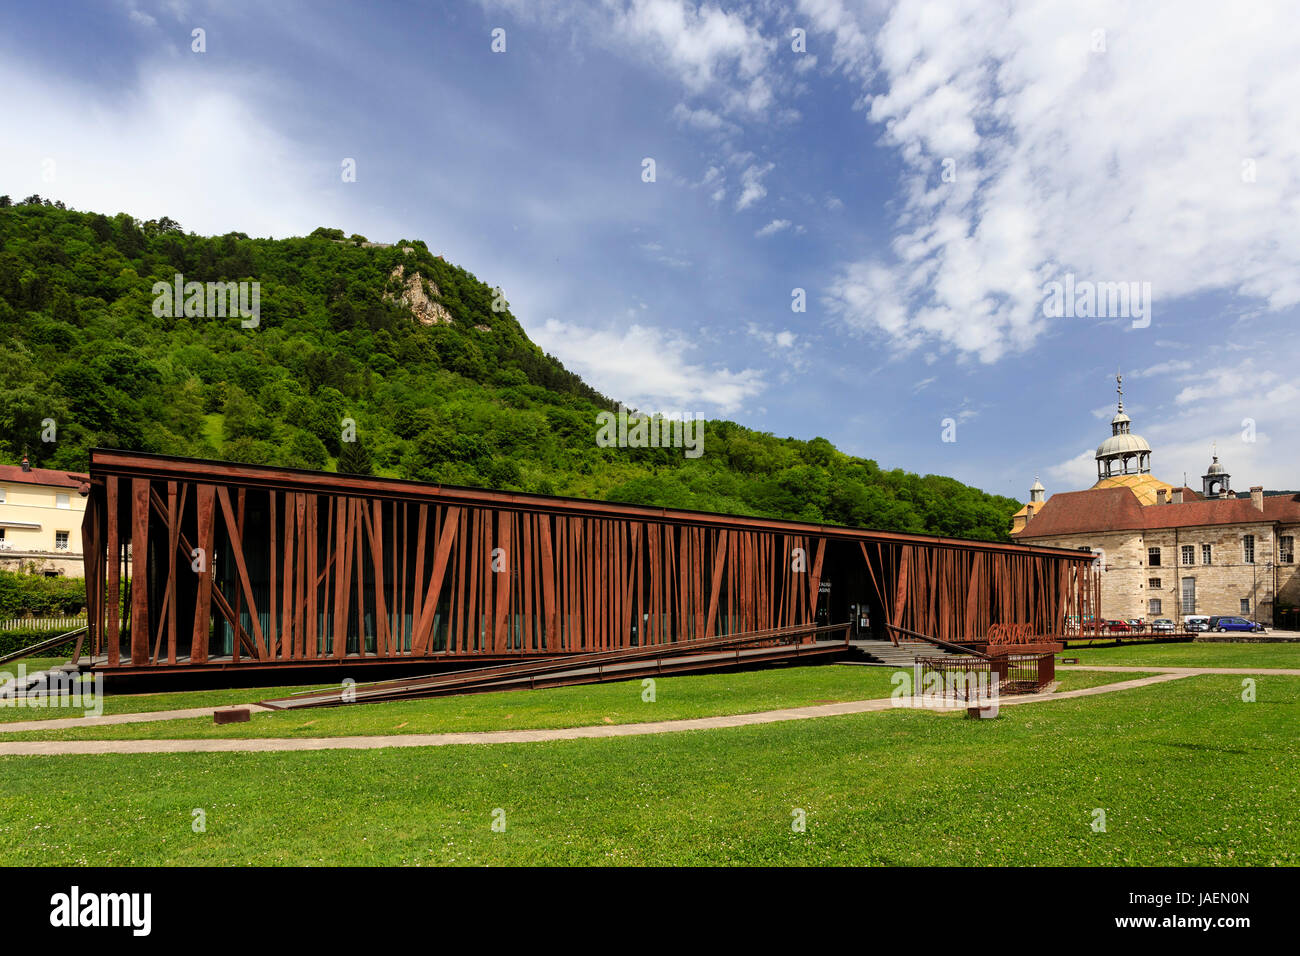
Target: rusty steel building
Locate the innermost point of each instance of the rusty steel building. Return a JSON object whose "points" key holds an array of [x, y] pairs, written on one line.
{"points": [[197, 564]]}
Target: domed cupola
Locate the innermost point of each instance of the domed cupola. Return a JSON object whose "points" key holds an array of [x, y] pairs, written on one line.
{"points": [[1123, 453], [1216, 482]]}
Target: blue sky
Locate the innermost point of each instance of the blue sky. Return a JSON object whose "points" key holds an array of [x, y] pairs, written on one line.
{"points": [[1155, 145]]}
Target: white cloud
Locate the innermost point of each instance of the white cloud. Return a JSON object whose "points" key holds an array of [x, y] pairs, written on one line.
{"points": [[724, 54], [751, 185], [1167, 367], [1119, 165], [179, 145], [645, 367], [788, 348], [850, 33], [657, 252], [773, 227], [705, 47], [1243, 406], [702, 119], [1074, 474]]}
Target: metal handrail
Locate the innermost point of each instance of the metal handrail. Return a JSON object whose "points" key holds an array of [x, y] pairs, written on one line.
{"points": [[936, 641], [568, 661], [40, 646]]}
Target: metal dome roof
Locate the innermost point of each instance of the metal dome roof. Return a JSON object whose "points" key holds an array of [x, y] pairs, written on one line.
{"points": [[1216, 468], [1122, 444]]}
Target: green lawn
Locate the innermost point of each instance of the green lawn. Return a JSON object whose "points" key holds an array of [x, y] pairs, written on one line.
{"points": [[142, 703], [702, 695], [619, 703], [34, 664], [1185, 771], [1189, 655], [1078, 680]]}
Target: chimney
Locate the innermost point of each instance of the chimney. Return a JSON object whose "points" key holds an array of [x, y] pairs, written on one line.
{"points": [[27, 465], [1160, 496], [1029, 513], [1257, 497], [1176, 496]]}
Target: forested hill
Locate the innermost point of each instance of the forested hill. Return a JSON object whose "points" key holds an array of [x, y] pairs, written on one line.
{"points": [[441, 387]]}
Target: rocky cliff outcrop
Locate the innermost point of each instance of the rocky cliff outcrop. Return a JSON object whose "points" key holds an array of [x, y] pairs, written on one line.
{"points": [[423, 305]]}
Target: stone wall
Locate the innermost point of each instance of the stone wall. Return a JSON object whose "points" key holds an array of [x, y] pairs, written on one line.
{"points": [[1221, 585]]}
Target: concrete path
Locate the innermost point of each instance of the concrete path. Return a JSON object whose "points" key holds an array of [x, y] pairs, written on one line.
{"points": [[161, 715], [252, 745], [1182, 671]]}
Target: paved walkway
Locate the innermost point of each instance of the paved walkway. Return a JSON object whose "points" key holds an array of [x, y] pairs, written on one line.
{"points": [[250, 745], [1183, 671]]}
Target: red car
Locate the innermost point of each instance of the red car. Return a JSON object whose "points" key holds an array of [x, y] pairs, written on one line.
{"points": [[1117, 626]]}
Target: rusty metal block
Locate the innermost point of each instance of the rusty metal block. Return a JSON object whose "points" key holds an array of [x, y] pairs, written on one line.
{"points": [[238, 716]]}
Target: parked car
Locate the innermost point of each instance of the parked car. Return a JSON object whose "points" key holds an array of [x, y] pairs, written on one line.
{"points": [[1136, 623], [1117, 626], [1222, 624], [1162, 625], [1196, 623]]}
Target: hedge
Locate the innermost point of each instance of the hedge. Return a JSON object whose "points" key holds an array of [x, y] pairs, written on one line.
{"points": [[16, 640], [38, 596]]}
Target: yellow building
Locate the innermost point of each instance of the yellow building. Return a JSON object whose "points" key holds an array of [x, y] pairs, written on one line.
{"points": [[40, 519]]}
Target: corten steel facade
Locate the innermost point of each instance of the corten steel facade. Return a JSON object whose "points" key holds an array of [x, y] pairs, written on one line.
{"points": [[299, 567]]}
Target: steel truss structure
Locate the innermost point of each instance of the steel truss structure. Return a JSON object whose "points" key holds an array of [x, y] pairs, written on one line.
{"points": [[195, 563]]}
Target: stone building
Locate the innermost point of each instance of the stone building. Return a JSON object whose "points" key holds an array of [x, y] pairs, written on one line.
{"points": [[1170, 551]]}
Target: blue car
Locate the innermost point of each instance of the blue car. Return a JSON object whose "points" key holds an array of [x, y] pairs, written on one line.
{"points": [[1222, 624]]}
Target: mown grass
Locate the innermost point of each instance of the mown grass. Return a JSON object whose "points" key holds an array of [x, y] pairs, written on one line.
{"points": [[145, 703], [1189, 655], [33, 664], [675, 698], [1185, 772], [1079, 680]]}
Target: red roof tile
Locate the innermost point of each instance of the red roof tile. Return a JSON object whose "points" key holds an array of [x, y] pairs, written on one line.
{"points": [[1117, 509], [1080, 512], [43, 476]]}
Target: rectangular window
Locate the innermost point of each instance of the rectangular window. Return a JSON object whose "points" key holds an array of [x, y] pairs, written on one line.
{"points": [[1206, 554], [1245, 605], [61, 501], [1248, 548], [1153, 584], [1153, 557], [2, 535], [2, 494], [1189, 554], [1153, 606], [61, 541], [1189, 595], [1286, 549]]}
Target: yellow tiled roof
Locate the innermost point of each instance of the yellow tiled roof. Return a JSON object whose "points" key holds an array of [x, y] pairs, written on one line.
{"points": [[1143, 486]]}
